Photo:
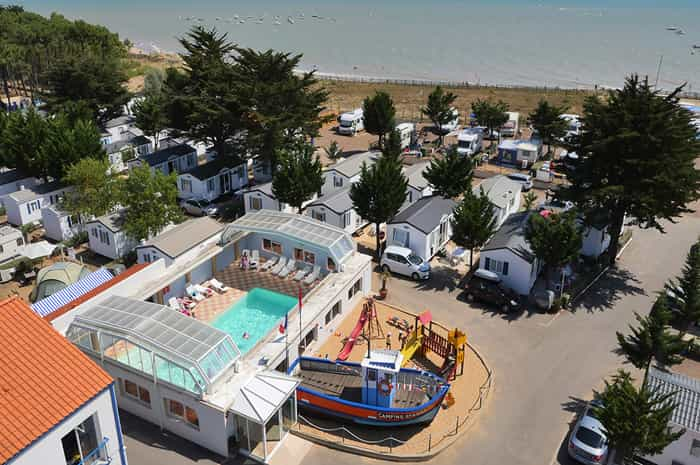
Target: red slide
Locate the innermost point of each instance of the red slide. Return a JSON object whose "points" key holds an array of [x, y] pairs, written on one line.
{"points": [[347, 348]]}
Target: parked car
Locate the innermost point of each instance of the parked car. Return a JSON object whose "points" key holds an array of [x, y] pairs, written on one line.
{"points": [[525, 180], [402, 260], [588, 443], [485, 286], [199, 207]]}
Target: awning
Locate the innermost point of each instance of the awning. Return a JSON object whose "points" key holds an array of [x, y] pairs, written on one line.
{"points": [[425, 318], [37, 250], [68, 294], [264, 395]]}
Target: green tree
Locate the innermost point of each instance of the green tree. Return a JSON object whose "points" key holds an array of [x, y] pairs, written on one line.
{"points": [[555, 239], [474, 222], [379, 115], [153, 81], [529, 200], [490, 114], [24, 140], [333, 151], [439, 109], [298, 177], [380, 192], [685, 291], [150, 202], [280, 106], [451, 175], [651, 340], [150, 116], [96, 191], [67, 143], [547, 121], [392, 145], [635, 419], [637, 154]]}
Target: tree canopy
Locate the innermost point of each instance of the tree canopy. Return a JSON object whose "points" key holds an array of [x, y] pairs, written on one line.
{"points": [[150, 115], [490, 114], [298, 177], [554, 239], [451, 175], [637, 153], [96, 191], [439, 109], [379, 115], [474, 222], [547, 121], [684, 291]]}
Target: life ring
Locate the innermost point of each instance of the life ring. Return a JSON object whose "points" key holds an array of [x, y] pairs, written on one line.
{"points": [[385, 387]]}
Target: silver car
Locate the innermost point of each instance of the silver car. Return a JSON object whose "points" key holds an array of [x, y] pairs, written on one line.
{"points": [[588, 443], [199, 207]]}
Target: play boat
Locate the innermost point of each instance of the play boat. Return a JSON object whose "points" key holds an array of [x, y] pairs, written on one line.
{"points": [[375, 392]]}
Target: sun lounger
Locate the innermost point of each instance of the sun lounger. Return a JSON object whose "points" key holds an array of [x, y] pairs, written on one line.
{"points": [[269, 264], [254, 259], [291, 266], [301, 273], [192, 292], [205, 291], [174, 303], [279, 266], [218, 285], [187, 303], [313, 276]]}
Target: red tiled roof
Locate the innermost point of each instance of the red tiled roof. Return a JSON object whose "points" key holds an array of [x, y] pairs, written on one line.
{"points": [[101, 288], [43, 377]]}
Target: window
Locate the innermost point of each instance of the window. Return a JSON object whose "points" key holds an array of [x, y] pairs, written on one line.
{"points": [[94, 232], [330, 264], [20, 242], [337, 181], [400, 237], [329, 316], [104, 237], [185, 185], [2, 249], [336, 309], [33, 206], [137, 392], [346, 219], [410, 196], [309, 257], [180, 412], [298, 254], [211, 185], [255, 203], [496, 266], [355, 288], [80, 443], [272, 246], [317, 215]]}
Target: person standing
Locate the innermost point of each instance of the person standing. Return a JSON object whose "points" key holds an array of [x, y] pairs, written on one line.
{"points": [[388, 341]]}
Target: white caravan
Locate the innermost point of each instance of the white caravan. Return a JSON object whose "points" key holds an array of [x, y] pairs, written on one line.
{"points": [[469, 141], [510, 129], [351, 122], [573, 122], [451, 125], [406, 132]]}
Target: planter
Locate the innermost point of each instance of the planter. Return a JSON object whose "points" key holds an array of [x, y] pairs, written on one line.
{"points": [[383, 293]]}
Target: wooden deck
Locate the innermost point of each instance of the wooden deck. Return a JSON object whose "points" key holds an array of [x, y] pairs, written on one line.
{"points": [[349, 387]]}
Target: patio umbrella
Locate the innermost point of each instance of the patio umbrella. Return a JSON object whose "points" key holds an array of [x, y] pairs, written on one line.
{"points": [[425, 318]]}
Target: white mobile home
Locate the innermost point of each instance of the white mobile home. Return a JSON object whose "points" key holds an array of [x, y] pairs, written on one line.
{"points": [[418, 186], [59, 225], [510, 129], [508, 254], [518, 152], [336, 209], [177, 240], [346, 171], [118, 128], [106, 237], [425, 227], [177, 158], [407, 133], [24, 206], [118, 152], [213, 179], [504, 195], [451, 125], [352, 122], [14, 180], [261, 197], [11, 241]]}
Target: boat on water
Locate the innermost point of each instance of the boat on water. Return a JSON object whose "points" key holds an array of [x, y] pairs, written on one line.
{"points": [[680, 32], [376, 392], [671, 28], [290, 20], [696, 47]]}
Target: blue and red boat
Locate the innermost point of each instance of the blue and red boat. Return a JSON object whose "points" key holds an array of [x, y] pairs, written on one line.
{"points": [[375, 392]]}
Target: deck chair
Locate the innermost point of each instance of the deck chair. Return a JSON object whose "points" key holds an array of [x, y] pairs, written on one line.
{"points": [[301, 273], [313, 276], [279, 266], [269, 263], [174, 304], [217, 285], [192, 292], [205, 291], [254, 259], [291, 266]]}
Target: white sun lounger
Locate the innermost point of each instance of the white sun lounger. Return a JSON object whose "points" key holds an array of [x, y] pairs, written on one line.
{"points": [[313, 276], [269, 263], [301, 273], [218, 285], [205, 291], [291, 265], [279, 266], [254, 259], [192, 292], [174, 304]]}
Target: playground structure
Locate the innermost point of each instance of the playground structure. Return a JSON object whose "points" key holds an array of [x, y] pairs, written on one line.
{"points": [[367, 316]]}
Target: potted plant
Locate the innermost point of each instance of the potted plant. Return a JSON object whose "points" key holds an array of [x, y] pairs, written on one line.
{"points": [[386, 275]]}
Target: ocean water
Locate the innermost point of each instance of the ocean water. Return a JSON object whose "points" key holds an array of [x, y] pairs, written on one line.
{"points": [[574, 43]]}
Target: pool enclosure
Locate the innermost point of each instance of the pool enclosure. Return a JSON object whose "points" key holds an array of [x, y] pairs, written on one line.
{"points": [[156, 341]]}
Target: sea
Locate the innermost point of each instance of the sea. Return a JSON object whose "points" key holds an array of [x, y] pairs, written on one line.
{"points": [[569, 43]]}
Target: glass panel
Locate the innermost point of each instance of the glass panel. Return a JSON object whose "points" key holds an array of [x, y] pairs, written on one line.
{"points": [[273, 432], [212, 365], [255, 434], [198, 378], [288, 414]]}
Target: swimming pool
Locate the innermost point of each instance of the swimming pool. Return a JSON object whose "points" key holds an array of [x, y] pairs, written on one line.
{"points": [[256, 313]]}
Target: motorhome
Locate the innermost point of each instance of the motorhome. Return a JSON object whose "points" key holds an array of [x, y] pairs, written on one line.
{"points": [[351, 122], [407, 133], [452, 124], [510, 129], [469, 141]]}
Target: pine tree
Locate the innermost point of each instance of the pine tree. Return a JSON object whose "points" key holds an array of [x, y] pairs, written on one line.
{"points": [[685, 291], [380, 192], [637, 154], [333, 151], [439, 109], [150, 116], [635, 419], [474, 222], [547, 121], [651, 340], [555, 239], [392, 145], [379, 115], [489, 114], [451, 175], [529, 200], [298, 177]]}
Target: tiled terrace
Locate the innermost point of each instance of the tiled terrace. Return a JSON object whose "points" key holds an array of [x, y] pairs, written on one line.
{"points": [[245, 280], [208, 309]]}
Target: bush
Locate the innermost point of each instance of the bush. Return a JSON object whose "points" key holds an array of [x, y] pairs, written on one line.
{"points": [[3, 212], [77, 239], [129, 259]]}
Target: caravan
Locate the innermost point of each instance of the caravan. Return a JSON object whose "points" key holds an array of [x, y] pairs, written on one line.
{"points": [[469, 141], [510, 129], [451, 125], [407, 133], [351, 122]]}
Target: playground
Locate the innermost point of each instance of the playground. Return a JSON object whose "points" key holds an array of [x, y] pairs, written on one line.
{"points": [[426, 345]]}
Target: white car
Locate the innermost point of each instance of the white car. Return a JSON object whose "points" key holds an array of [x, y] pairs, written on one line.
{"points": [[402, 260], [525, 180], [588, 443], [199, 207]]}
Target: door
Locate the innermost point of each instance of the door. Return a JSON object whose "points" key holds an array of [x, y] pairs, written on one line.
{"points": [[443, 232], [225, 182], [171, 167]]}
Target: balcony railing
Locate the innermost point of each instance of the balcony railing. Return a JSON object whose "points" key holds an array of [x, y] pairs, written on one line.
{"points": [[98, 456]]}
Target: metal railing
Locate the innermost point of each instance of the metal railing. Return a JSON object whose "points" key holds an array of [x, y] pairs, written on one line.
{"points": [[98, 456]]}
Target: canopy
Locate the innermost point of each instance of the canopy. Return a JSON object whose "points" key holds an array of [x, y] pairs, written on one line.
{"points": [[37, 250], [263, 395]]}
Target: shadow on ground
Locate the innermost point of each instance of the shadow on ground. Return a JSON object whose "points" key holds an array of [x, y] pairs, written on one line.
{"points": [[603, 295], [442, 278], [576, 406]]}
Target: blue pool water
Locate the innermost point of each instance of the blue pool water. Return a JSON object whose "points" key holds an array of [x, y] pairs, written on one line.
{"points": [[256, 313]]}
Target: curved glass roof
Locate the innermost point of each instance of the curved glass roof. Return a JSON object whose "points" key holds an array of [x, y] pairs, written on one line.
{"points": [[301, 228], [150, 337]]}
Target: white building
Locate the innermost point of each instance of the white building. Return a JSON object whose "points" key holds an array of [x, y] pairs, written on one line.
{"points": [[213, 179], [130, 144], [106, 238], [508, 254], [59, 225], [261, 197], [176, 158], [14, 180], [504, 194], [71, 416], [11, 243], [686, 393], [346, 171], [425, 227], [24, 206], [418, 186], [336, 209], [118, 128]]}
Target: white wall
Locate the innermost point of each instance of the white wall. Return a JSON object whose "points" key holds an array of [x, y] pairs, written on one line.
{"points": [[153, 255], [270, 203], [56, 225], [678, 451], [119, 244], [10, 246], [200, 187], [11, 187], [419, 242], [49, 449], [521, 274], [18, 212], [332, 218], [328, 181]]}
